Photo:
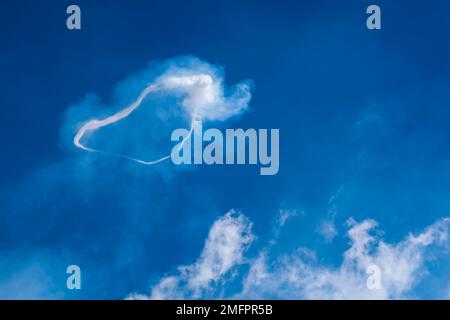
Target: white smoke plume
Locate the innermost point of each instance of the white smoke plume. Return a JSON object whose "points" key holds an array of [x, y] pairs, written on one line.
{"points": [[202, 95]]}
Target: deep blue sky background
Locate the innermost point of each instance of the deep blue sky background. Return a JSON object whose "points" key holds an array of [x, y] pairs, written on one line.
{"points": [[363, 110]]}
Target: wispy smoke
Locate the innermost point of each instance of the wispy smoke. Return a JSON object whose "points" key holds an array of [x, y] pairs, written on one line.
{"points": [[200, 92]]}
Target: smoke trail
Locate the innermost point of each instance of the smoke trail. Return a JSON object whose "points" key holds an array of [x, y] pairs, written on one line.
{"points": [[203, 98], [95, 124]]}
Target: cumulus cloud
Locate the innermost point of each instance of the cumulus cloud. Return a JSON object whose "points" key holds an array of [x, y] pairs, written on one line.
{"points": [[228, 239], [299, 274], [295, 276]]}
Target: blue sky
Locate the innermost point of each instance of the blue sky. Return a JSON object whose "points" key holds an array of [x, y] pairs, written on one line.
{"points": [[363, 135]]}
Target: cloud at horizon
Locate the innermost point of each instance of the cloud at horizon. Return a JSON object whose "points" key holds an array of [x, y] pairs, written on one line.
{"points": [[299, 274]]}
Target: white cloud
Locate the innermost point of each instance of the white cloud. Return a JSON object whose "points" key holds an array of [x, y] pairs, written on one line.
{"points": [[300, 275], [295, 276], [327, 227], [228, 239], [286, 214], [283, 216]]}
